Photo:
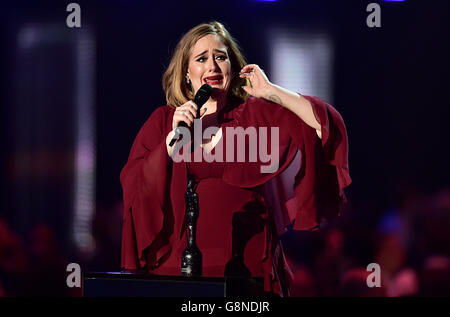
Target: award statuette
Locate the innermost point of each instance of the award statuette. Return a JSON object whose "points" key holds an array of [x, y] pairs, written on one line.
{"points": [[191, 259]]}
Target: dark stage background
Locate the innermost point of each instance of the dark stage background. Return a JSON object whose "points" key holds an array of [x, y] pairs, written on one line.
{"points": [[73, 100]]}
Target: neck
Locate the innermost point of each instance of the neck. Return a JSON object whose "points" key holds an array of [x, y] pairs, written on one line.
{"points": [[215, 104]]}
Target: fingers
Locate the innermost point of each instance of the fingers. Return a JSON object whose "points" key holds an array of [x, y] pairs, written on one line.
{"points": [[180, 117], [247, 74], [177, 118], [186, 113], [255, 76], [189, 108], [248, 90], [249, 69]]}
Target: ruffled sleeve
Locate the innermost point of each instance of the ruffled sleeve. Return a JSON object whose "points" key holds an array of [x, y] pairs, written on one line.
{"points": [[145, 182], [315, 171]]}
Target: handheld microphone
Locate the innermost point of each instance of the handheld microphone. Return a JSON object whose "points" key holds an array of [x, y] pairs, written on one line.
{"points": [[200, 98]]}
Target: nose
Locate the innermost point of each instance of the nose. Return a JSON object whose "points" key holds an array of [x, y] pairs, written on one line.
{"points": [[212, 65]]}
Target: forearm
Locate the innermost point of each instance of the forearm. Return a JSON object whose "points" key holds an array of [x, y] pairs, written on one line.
{"points": [[295, 103]]}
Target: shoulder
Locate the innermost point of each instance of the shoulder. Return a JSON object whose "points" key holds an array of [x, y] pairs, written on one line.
{"points": [[158, 121], [254, 103], [255, 110], [160, 115], [162, 112], [262, 106]]}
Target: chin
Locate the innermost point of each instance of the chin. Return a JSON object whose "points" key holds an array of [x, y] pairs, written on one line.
{"points": [[218, 92]]}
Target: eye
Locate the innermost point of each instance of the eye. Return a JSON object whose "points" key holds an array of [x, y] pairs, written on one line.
{"points": [[222, 57], [201, 59]]}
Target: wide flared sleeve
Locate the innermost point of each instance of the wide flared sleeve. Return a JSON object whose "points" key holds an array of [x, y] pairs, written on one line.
{"points": [[316, 182], [145, 182]]}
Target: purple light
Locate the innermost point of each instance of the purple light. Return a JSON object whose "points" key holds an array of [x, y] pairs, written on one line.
{"points": [[394, 0]]}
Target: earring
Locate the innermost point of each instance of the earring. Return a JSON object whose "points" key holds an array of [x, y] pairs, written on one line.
{"points": [[187, 80]]}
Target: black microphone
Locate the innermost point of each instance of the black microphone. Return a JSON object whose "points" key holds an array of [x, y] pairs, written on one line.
{"points": [[200, 98]]}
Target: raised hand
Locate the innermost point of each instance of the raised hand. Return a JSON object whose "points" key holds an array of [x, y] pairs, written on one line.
{"points": [[260, 84]]}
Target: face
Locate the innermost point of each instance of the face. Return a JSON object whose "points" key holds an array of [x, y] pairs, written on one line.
{"points": [[209, 63]]}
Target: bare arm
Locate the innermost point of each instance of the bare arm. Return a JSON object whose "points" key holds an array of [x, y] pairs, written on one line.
{"points": [[296, 103], [263, 88]]}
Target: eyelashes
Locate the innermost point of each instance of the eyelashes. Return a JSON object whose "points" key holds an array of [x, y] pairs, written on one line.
{"points": [[220, 57]]}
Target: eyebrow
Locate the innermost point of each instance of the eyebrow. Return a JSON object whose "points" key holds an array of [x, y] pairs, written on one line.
{"points": [[215, 50]]}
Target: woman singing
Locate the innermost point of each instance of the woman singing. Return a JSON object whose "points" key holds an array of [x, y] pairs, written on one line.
{"points": [[243, 209]]}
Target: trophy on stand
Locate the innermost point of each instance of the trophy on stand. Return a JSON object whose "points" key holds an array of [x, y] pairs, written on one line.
{"points": [[191, 259]]}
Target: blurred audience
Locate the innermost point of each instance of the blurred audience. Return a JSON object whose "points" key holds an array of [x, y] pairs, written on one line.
{"points": [[435, 276], [354, 283], [13, 261], [47, 273], [330, 263], [404, 284], [410, 243]]}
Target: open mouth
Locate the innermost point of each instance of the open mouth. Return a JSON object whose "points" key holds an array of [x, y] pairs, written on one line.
{"points": [[213, 80]]}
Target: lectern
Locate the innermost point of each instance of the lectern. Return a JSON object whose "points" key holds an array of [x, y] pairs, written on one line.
{"points": [[120, 284]]}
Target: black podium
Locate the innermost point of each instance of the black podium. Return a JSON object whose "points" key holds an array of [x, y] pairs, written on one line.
{"points": [[119, 284]]}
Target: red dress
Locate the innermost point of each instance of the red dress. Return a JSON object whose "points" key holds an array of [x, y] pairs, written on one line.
{"points": [[242, 212]]}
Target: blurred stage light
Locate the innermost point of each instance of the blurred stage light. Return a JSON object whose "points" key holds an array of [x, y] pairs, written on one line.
{"points": [[34, 42], [302, 61], [85, 147]]}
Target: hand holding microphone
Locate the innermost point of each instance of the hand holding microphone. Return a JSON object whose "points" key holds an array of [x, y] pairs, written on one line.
{"points": [[184, 115]]}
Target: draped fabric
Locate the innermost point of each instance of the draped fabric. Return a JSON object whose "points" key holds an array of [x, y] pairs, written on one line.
{"points": [[243, 211]]}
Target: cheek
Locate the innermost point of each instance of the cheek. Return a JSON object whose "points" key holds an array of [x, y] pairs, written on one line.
{"points": [[195, 72], [227, 70]]}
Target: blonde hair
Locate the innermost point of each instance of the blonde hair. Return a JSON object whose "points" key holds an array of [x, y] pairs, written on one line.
{"points": [[177, 90]]}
